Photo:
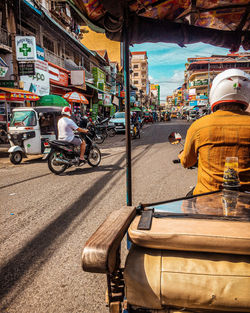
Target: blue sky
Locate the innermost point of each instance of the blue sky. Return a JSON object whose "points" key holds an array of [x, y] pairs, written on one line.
{"points": [[166, 62]]}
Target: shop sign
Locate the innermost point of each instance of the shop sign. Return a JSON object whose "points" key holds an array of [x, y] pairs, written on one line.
{"points": [[99, 77], [38, 83], [26, 68], [202, 102], [25, 48], [115, 101], [7, 83], [57, 76], [77, 78], [40, 53], [192, 103], [94, 110], [192, 91], [107, 100], [3, 71], [100, 96]]}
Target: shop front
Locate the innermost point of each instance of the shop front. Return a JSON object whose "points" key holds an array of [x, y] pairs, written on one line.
{"points": [[11, 98]]}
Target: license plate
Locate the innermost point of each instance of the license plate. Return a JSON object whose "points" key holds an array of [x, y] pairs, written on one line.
{"points": [[119, 127], [47, 150]]}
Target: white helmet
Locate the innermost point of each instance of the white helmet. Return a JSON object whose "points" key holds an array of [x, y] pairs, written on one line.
{"points": [[230, 86], [66, 111]]}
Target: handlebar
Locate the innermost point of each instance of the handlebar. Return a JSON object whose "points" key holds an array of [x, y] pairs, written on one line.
{"points": [[176, 161]]}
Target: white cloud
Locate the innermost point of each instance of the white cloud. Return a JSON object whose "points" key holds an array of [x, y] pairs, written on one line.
{"points": [[170, 84]]}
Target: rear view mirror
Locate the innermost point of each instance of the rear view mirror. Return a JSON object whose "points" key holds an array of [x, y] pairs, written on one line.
{"points": [[174, 138]]}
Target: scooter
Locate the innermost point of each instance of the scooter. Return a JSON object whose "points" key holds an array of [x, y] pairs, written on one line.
{"points": [[135, 131], [189, 254], [62, 155]]}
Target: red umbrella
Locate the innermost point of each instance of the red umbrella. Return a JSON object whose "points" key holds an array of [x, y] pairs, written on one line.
{"points": [[75, 97]]}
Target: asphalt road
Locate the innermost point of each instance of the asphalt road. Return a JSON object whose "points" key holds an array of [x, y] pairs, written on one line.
{"points": [[46, 219]]}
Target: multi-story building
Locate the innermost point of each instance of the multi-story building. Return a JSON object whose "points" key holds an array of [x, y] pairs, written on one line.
{"points": [[200, 73], [139, 76]]}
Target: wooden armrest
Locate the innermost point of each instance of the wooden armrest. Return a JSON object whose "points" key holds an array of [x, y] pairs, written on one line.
{"points": [[100, 251]]}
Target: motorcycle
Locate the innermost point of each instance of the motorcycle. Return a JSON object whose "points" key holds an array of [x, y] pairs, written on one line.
{"points": [[62, 155], [188, 254], [135, 131]]}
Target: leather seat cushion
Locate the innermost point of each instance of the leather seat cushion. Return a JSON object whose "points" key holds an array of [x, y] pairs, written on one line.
{"points": [[157, 279], [193, 235]]}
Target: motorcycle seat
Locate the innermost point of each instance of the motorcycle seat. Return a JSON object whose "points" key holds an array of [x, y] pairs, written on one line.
{"points": [[61, 142]]}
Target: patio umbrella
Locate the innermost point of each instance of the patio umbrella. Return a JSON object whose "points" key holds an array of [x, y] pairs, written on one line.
{"points": [[75, 97], [52, 100], [135, 109]]}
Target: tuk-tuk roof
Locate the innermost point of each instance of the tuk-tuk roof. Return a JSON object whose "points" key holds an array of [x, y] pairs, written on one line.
{"points": [[41, 109], [220, 23]]}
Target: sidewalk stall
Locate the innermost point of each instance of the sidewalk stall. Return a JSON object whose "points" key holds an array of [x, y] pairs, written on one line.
{"points": [[30, 128]]}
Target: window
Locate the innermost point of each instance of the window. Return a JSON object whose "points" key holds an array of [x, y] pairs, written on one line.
{"points": [[136, 74], [48, 44], [136, 82], [136, 66]]}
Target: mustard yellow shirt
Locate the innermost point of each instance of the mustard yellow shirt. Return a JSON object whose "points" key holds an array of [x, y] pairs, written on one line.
{"points": [[210, 140]]}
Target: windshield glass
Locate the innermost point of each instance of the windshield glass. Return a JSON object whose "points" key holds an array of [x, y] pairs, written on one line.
{"points": [[119, 115], [23, 118]]}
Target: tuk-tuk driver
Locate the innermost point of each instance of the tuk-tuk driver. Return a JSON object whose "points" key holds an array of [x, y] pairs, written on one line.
{"points": [[66, 128]]}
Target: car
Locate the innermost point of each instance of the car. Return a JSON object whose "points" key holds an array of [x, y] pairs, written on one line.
{"points": [[118, 120]]}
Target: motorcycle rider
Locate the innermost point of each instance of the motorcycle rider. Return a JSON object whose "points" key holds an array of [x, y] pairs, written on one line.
{"points": [[224, 133], [66, 128]]}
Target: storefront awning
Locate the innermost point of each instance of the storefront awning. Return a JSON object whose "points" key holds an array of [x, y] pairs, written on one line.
{"points": [[12, 94]]}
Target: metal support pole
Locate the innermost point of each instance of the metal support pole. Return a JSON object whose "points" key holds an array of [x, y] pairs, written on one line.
{"points": [[127, 113]]}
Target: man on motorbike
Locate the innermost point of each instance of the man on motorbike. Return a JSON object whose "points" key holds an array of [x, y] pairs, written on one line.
{"points": [[66, 128], [224, 133]]}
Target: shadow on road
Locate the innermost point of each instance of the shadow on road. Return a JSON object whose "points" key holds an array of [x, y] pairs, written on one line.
{"points": [[23, 181], [29, 260], [81, 171]]}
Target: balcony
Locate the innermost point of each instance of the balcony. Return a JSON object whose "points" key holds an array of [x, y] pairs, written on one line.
{"points": [[53, 58], [5, 40]]}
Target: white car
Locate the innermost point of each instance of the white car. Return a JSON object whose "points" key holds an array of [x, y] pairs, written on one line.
{"points": [[118, 120]]}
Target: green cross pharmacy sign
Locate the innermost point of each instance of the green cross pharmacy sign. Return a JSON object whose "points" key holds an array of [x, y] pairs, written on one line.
{"points": [[26, 48]]}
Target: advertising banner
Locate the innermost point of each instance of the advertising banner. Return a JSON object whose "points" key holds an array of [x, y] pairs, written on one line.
{"points": [[25, 48], [38, 83], [58, 76], [107, 100], [99, 77]]}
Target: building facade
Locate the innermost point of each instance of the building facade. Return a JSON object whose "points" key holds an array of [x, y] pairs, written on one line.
{"points": [[54, 28], [139, 75], [200, 73]]}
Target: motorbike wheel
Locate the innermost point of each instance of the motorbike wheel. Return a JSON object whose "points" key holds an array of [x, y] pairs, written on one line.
{"points": [[54, 166], [99, 139], [16, 157], [111, 132], [94, 157]]}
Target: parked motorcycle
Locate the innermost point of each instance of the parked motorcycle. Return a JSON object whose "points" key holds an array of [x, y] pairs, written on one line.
{"points": [[62, 155]]}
